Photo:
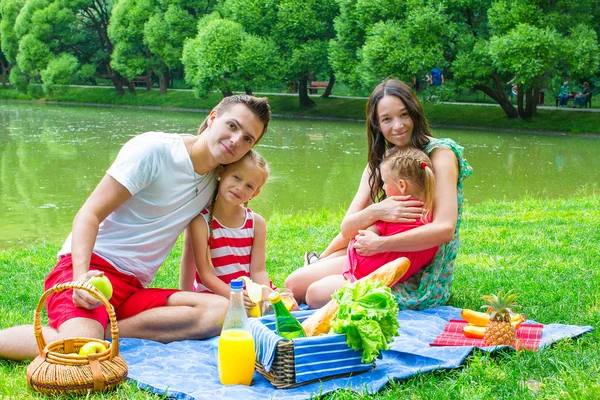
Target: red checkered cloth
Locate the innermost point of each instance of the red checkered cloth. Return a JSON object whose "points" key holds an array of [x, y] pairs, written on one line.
{"points": [[528, 336]]}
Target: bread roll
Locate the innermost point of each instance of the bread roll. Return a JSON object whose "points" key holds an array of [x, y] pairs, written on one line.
{"points": [[320, 322], [390, 273]]}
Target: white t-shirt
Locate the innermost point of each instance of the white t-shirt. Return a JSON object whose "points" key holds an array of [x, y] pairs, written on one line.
{"points": [[166, 195]]}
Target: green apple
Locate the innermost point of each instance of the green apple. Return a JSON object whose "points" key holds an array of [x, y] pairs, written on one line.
{"points": [[91, 348], [102, 283]]}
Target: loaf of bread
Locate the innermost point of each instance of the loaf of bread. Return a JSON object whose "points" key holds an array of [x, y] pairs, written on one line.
{"points": [[320, 322]]}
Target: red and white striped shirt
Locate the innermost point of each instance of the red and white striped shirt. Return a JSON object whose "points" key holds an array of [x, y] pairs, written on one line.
{"points": [[230, 250]]}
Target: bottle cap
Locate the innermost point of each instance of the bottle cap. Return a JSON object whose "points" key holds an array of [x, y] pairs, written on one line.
{"points": [[236, 284], [274, 297]]}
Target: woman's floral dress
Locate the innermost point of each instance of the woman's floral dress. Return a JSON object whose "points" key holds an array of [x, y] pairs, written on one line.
{"points": [[430, 287]]}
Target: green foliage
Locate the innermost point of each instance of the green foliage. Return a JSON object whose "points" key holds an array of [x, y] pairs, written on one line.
{"points": [[9, 10], [59, 71], [210, 60], [126, 31], [33, 55]]}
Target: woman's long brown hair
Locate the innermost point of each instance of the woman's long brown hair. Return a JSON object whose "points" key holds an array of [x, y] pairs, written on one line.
{"points": [[377, 142]]}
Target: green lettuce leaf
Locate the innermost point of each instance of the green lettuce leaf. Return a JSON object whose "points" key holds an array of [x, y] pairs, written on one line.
{"points": [[368, 316]]}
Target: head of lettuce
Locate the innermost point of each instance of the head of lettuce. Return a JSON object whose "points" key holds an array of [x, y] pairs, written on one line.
{"points": [[368, 316]]}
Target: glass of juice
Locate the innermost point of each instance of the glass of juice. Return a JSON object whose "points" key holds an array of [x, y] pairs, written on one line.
{"points": [[287, 297]]}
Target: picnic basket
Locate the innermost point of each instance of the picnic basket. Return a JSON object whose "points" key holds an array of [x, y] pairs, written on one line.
{"points": [[326, 350], [56, 371]]}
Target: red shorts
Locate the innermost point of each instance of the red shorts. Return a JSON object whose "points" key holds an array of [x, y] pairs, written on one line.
{"points": [[129, 295]]}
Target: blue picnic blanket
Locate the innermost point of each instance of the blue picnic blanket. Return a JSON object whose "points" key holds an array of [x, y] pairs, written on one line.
{"points": [[188, 369]]}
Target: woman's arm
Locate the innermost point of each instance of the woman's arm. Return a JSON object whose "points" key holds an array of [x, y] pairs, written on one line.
{"points": [[445, 210], [363, 213], [199, 239]]}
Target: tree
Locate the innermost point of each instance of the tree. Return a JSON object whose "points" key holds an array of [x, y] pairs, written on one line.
{"points": [[224, 57], [149, 35], [529, 42], [9, 10], [45, 30], [389, 39]]}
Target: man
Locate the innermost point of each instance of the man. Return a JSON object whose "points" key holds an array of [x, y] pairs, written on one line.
{"points": [[129, 224]]}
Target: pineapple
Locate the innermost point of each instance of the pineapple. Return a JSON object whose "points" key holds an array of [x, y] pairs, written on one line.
{"points": [[499, 330]]}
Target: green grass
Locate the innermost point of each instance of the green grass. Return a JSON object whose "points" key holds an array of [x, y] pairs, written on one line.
{"points": [[439, 114], [546, 250]]}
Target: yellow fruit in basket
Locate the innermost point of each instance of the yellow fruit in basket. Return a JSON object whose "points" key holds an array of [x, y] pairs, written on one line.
{"points": [[254, 291], [91, 348]]}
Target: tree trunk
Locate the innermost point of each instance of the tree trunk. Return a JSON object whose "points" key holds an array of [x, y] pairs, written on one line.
{"points": [[130, 86], [149, 80], [500, 98], [227, 92], [163, 82], [536, 99], [116, 79], [528, 111], [305, 100], [5, 72], [248, 90], [329, 87], [520, 107]]}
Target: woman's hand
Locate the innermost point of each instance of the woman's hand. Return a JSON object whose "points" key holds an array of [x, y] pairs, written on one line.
{"points": [[367, 243], [399, 209]]}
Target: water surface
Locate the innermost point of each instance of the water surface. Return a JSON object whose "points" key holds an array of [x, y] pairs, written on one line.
{"points": [[51, 158]]}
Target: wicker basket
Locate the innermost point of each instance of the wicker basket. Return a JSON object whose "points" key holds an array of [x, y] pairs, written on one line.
{"points": [[56, 371], [286, 372]]}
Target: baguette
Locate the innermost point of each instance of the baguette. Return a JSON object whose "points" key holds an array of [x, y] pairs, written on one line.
{"points": [[320, 322]]}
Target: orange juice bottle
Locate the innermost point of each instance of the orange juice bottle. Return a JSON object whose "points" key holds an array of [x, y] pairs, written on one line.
{"points": [[236, 345]]}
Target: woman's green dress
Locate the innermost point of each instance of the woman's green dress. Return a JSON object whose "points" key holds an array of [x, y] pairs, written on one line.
{"points": [[430, 287]]}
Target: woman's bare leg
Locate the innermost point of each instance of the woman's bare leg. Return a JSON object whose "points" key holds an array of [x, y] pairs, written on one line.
{"points": [[319, 293], [299, 280]]}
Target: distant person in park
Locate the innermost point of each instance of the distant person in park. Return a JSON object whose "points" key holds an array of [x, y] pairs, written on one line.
{"points": [[563, 94], [228, 238], [125, 230], [405, 171], [436, 77], [395, 119], [582, 98]]}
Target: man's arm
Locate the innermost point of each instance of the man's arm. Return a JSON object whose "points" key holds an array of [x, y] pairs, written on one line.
{"points": [[107, 197]]}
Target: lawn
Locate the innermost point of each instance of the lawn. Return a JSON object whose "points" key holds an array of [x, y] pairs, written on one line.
{"points": [[546, 250]]}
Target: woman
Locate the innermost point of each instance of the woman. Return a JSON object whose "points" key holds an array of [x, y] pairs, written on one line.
{"points": [[395, 118], [581, 99]]}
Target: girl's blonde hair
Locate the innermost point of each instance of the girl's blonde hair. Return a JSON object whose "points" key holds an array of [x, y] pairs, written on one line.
{"points": [[259, 162], [414, 166]]}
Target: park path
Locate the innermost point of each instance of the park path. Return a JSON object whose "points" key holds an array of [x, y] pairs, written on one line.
{"points": [[595, 110]]}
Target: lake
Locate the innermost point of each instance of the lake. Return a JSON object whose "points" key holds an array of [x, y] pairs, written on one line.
{"points": [[51, 158]]}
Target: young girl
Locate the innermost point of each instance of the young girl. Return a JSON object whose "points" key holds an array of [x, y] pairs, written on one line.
{"points": [[228, 239], [404, 171]]}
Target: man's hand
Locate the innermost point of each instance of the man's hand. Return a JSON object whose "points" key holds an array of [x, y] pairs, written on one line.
{"points": [[82, 298]]}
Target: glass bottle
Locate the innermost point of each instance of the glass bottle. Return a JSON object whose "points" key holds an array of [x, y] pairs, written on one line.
{"points": [[236, 345], [287, 325]]}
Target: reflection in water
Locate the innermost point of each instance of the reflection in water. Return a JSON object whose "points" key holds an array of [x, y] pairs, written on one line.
{"points": [[52, 157]]}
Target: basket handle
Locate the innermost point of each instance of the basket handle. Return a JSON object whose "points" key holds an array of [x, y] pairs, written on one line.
{"points": [[37, 317]]}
